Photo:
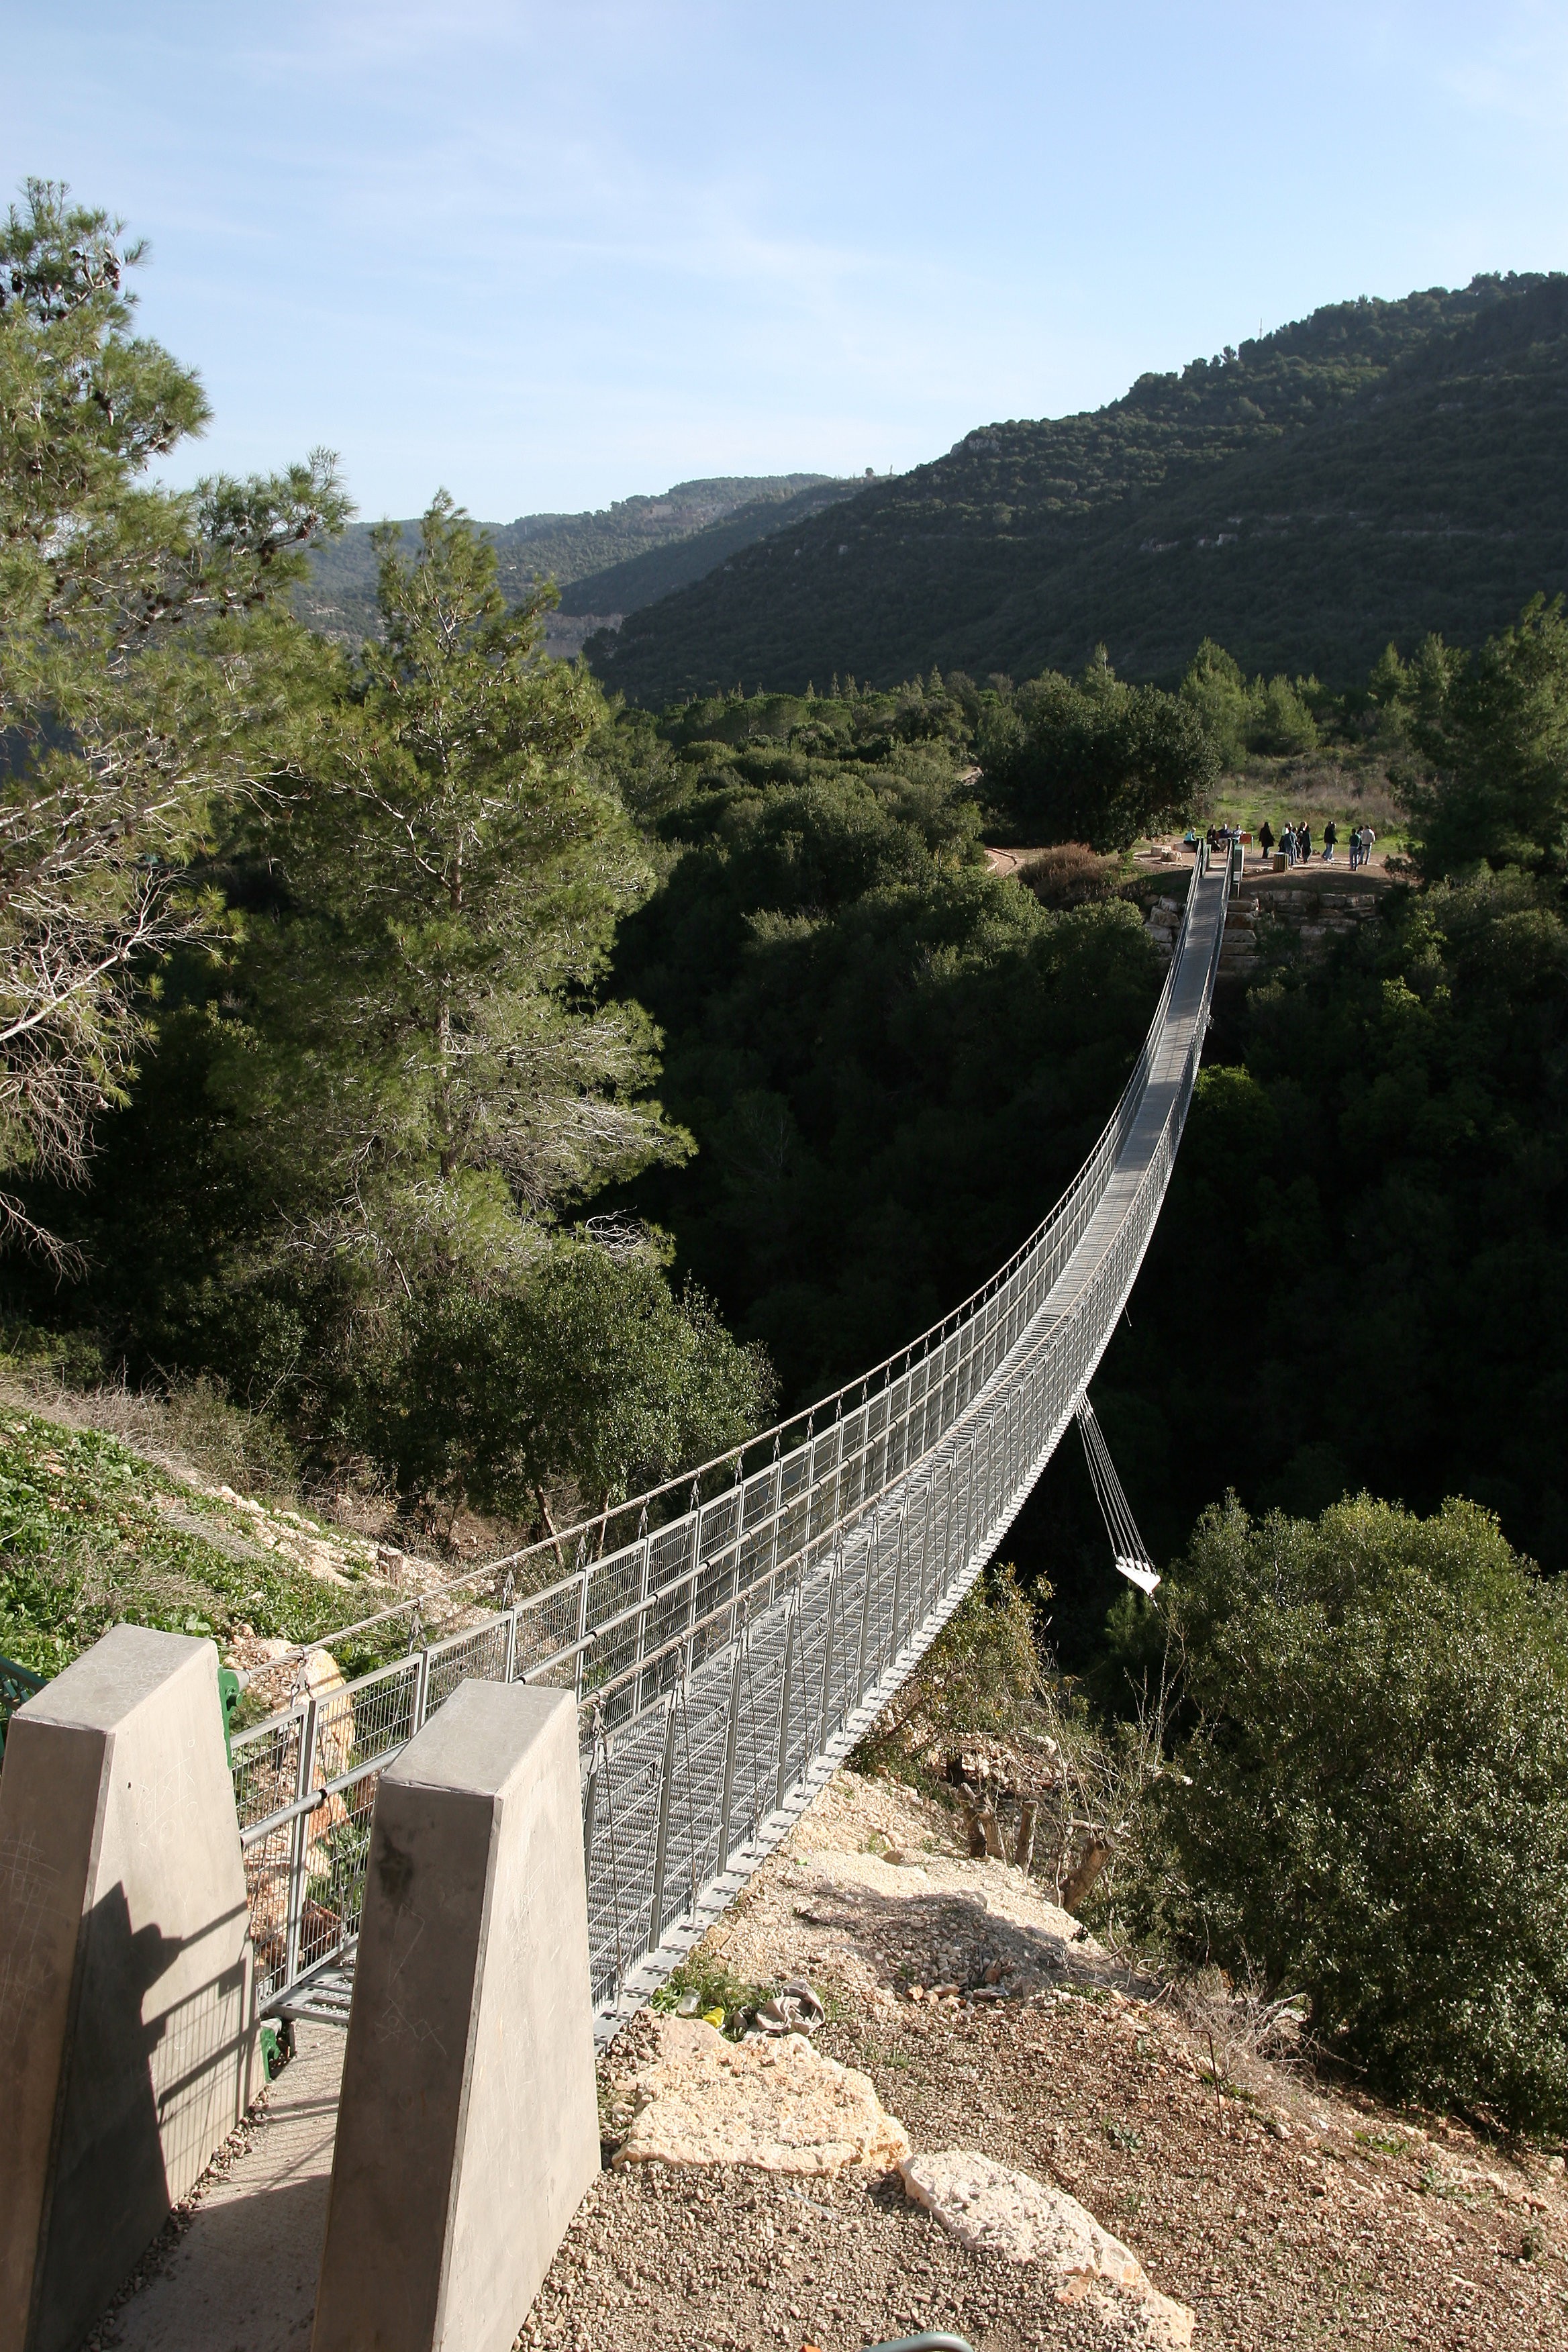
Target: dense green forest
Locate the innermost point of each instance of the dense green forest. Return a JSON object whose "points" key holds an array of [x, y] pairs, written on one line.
{"points": [[1376, 471], [308, 1066], [891, 1060], [610, 560], [889, 1055]]}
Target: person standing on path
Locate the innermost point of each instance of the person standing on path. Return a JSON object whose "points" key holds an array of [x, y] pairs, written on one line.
{"points": [[1355, 847], [1266, 838], [1367, 838], [1304, 844], [1331, 834]]}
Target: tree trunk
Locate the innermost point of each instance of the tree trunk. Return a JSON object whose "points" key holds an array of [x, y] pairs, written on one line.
{"points": [[984, 1833], [1028, 1815], [1086, 1869], [549, 1524]]}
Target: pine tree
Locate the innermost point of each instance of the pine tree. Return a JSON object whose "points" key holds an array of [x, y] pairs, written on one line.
{"points": [[142, 649], [453, 867]]}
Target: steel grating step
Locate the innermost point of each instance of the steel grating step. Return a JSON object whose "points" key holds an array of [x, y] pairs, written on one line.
{"points": [[324, 1995]]}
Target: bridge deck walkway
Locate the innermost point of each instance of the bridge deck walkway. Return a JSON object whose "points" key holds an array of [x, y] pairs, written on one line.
{"points": [[1188, 1007]]}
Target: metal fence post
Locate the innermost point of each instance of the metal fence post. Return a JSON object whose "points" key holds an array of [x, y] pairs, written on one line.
{"points": [[661, 1836], [932, 1546], [726, 1805], [936, 1562], [785, 1695], [894, 1644], [776, 1512], [590, 1808], [582, 1632], [305, 1780], [643, 1573], [691, 1588], [873, 1546], [835, 1577]]}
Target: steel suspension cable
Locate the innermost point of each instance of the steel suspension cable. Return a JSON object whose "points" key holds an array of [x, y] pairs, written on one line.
{"points": [[1130, 1551]]}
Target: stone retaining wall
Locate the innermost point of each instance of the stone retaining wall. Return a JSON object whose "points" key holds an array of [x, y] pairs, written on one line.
{"points": [[1303, 918]]}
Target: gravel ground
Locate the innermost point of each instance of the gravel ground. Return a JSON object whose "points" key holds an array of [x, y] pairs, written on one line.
{"points": [[1284, 2212], [732, 2259]]}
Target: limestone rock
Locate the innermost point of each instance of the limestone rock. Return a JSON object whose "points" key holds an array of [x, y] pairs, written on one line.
{"points": [[776, 2104], [994, 2209]]}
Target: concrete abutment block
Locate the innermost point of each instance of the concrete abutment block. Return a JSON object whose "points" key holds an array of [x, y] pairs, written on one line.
{"points": [[127, 2043], [469, 2132]]}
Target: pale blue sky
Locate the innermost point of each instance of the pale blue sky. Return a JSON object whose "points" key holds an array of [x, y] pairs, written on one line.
{"points": [[547, 256]]}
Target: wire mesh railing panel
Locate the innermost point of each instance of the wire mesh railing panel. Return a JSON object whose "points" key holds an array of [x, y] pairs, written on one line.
{"points": [[756, 1742], [701, 1750], [614, 1585], [757, 1550], [482, 1655], [725, 1638], [718, 1548], [334, 1871], [266, 1766], [547, 1626], [627, 1810], [718, 1531], [615, 1611], [383, 1704]]}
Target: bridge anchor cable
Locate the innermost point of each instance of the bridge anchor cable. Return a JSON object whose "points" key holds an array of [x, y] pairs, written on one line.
{"points": [[1128, 1547]]}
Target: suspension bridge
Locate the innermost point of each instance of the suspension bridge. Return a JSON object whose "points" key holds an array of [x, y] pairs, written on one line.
{"points": [[729, 1638]]}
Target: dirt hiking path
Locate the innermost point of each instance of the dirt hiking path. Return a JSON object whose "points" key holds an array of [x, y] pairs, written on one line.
{"points": [[1281, 2214]]}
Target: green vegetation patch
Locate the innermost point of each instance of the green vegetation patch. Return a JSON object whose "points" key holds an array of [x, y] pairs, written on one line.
{"points": [[724, 1999], [1371, 1807], [90, 1534]]}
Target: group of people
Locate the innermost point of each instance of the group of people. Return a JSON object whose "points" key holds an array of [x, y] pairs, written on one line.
{"points": [[1296, 841]]}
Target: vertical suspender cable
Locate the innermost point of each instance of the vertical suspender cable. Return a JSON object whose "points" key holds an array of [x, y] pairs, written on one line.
{"points": [[1128, 1547]]}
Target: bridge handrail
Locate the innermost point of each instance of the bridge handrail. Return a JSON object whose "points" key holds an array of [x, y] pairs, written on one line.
{"points": [[756, 1575], [1093, 1173]]}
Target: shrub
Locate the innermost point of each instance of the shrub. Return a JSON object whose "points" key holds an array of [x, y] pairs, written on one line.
{"points": [[1376, 1808], [1095, 760], [977, 1679], [1070, 874], [585, 1377]]}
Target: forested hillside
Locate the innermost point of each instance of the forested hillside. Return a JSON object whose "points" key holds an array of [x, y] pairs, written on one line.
{"points": [[1376, 471], [891, 1060], [605, 561], [640, 579]]}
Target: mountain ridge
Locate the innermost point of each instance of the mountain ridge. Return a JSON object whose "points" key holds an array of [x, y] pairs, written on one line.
{"points": [[1010, 551], [718, 512]]}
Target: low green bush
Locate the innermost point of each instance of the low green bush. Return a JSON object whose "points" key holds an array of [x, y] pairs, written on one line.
{"points": [[978, 1679], [720, 1995], [1371, 1807]]}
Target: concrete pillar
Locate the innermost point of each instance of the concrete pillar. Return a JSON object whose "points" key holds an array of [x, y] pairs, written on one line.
{"points": [[468, 2127], [127, 2049]]}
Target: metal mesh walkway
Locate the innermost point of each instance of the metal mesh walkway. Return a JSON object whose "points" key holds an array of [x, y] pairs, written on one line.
{"points": [[730, 1637]]}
